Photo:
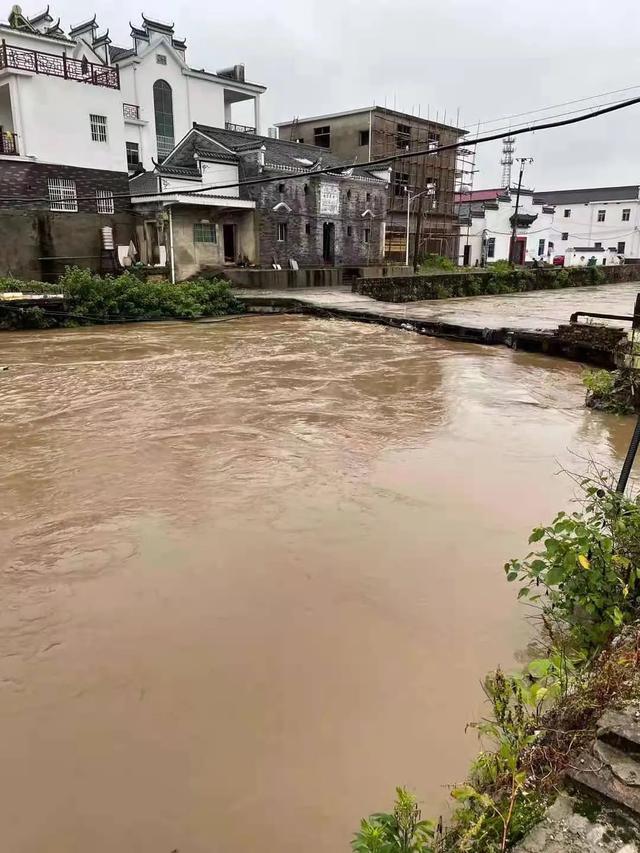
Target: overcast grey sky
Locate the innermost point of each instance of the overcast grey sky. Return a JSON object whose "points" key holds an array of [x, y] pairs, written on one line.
{"points": [[487, 58]]}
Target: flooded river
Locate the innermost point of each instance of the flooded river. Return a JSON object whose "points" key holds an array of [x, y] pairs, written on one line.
{"points": [[252, 573]]}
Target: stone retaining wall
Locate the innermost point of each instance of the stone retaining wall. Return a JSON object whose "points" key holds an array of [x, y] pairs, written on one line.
{"points": [[446, 285]]}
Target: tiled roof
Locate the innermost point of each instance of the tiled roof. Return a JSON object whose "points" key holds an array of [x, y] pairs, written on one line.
{"points": [[117, 53], [144, 184], [280, 152], [584, 196], [186, 171], [478, 195]]}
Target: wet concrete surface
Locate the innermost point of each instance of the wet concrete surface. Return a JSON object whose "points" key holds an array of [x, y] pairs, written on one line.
{"points": [[535, 310]]}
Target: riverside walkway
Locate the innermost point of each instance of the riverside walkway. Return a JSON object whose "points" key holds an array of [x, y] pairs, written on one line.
{"points": [[542, 310]]}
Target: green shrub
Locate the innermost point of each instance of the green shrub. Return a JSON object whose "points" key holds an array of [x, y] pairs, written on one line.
{"points": [[586, 577], [437, 262], [598, 381]]}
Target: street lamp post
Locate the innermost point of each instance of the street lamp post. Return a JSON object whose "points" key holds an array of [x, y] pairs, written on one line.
{"points": [[411, 197]]}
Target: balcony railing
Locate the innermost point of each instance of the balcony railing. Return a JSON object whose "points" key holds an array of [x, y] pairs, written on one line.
{"points": [[239, 128], [131, 111], [80, 70], [8, 142]]}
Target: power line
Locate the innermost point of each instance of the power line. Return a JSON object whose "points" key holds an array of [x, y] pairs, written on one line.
{"points": [[555, 106], [380, 161]]}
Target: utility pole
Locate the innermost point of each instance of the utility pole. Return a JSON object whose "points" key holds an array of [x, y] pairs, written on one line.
{"points": [[514, 230]]}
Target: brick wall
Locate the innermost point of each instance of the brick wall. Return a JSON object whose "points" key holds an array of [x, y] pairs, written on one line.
{"points": [[28, 181], [302, 196]]}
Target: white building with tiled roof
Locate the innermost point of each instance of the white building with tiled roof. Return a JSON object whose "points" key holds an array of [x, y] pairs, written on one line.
{"points": [[163, 96]]}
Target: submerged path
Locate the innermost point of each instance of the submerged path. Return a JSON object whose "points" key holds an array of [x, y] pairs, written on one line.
{"points": [[523, 320]]}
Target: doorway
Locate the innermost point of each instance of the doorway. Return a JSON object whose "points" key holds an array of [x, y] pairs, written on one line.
{"points": [[329, 243], [229, 243], [466, 256], [520, 251]]}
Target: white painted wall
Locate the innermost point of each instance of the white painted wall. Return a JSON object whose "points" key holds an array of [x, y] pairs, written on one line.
{"points": [[56, 126], [195, 99], [6, 118], [51, 115], [582, 228], [220, 173], [495, 224]]}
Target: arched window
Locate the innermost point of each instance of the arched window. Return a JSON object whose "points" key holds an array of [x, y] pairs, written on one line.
{"points": [[163, 109]]}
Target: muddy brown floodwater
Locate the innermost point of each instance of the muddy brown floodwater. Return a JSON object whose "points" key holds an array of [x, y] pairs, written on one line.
{"points": [[252, 573]]}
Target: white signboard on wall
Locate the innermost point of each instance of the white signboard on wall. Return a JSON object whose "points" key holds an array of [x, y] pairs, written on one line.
{"points": [[329, 200]]}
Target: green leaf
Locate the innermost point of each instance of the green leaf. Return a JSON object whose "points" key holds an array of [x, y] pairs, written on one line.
{"points": [[540, 668], [512, 576], [524, 592], [537, 534]]}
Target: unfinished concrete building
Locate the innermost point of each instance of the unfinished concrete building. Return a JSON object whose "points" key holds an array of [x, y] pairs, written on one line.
{"points": [[426, 184]]}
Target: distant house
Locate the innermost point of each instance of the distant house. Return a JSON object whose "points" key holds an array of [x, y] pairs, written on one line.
{"points": [[320, 219], [596, 219], [486, 220], [373, 132]]}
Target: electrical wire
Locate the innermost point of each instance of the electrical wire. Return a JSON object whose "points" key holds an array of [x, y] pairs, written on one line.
{"points": [[555, 106], [380, 161]]}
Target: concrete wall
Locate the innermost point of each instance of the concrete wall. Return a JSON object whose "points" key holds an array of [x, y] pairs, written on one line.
{"points": [[191, 257], [27, 236], [270, 279]]}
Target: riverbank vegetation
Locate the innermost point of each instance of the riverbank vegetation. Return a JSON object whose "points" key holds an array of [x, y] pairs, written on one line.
{"points": [[91, 298], [613, 391], [582, 581]]}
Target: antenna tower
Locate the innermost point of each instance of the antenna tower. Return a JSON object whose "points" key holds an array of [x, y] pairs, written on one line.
{"points": [[508, 150]]}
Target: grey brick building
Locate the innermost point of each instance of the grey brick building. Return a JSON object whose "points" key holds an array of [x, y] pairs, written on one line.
{"points": [[334, 219]]}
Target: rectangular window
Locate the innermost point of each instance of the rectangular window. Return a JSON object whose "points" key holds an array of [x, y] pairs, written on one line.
{"points": [[403, 136], [282, 232], [98, 128], [567, 213], [564, 235], [400, 182], [307, 228], [364, 137], [349, 231], [161, 59], [300, 139], [368, 197], [626, 214], [280, 188], [621, 248], [104, 201], [491, 247], [204, 232], [433, 139], [597, 246], [62, 194], [133, 155], [367, 235], [602, 214], [541, 244], [322, 136]]}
